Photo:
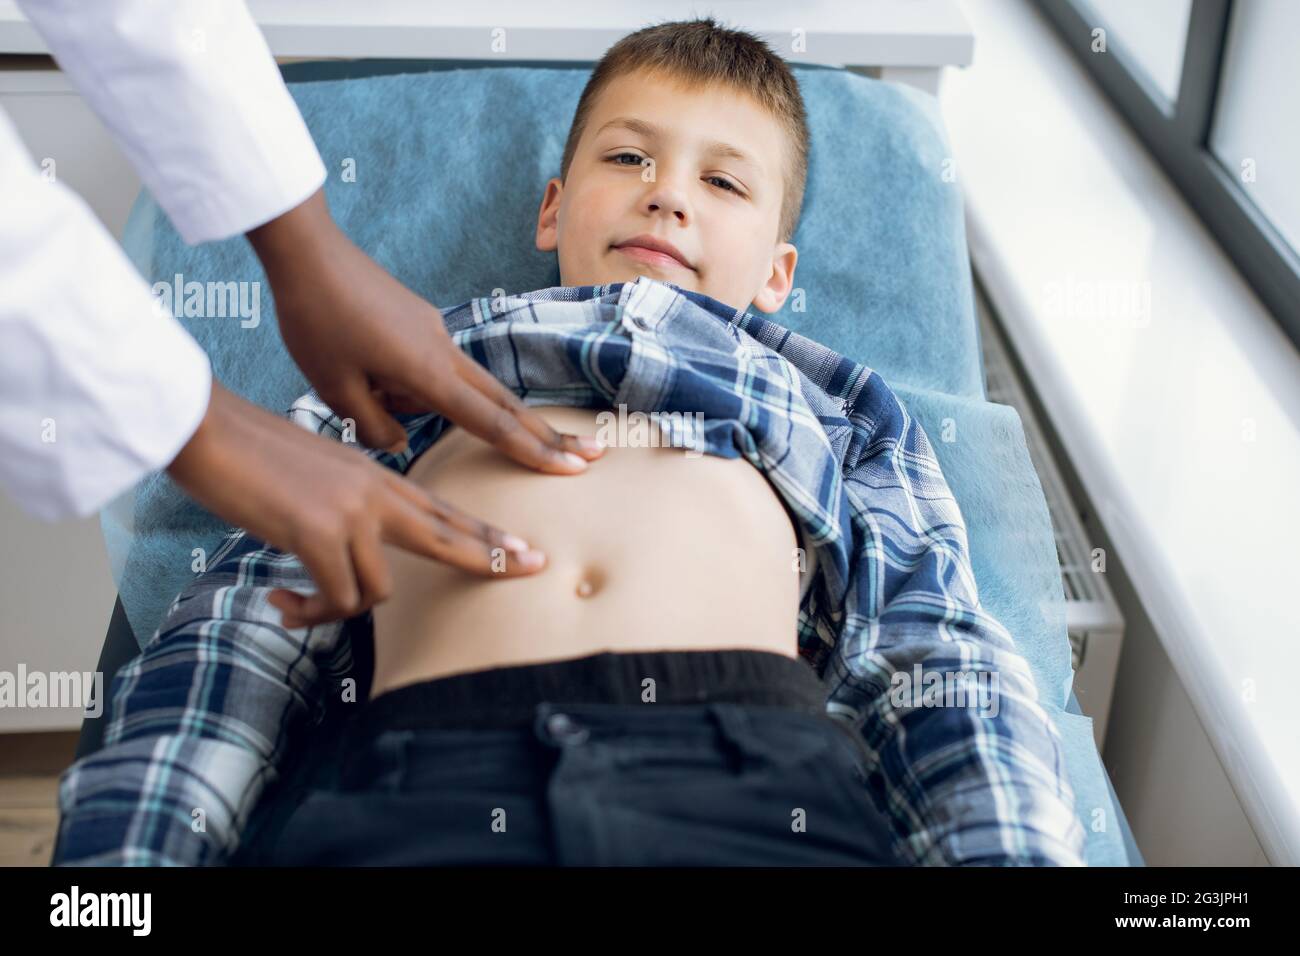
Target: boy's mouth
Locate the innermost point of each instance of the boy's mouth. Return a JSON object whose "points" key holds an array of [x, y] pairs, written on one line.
{"points": [[649, 249]]}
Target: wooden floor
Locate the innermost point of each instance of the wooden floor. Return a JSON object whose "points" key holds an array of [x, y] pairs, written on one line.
{"points": [[30, 765]]}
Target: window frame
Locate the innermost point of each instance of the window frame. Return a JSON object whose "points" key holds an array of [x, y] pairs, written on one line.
{"points": [[1177, 136]]}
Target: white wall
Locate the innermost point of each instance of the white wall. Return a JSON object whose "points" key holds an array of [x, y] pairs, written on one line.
{"points": [[56, 591]]}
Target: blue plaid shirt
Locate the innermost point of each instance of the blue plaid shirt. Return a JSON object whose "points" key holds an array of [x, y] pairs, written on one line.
{"points": [[204, 720]]}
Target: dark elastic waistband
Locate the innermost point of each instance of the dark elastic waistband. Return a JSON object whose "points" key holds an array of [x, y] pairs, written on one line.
{"points": [[506, 697]]}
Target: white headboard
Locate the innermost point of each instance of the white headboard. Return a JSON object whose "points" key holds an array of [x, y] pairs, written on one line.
{"points": [[906, 41]]}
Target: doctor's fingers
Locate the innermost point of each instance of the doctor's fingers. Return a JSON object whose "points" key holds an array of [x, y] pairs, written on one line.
{"points": [[491, 388], [421, 532], [337, 594], [351, 577], [480, 404], [475, 527], [376, 428]]}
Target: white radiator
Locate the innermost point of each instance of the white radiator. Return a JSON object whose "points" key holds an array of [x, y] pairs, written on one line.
{"points": [[1093, 618]]}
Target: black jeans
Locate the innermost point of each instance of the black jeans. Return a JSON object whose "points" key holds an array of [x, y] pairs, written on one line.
{"points": [[692, 758]]}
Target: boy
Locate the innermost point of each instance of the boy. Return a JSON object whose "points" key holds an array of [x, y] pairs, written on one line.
{"points": [[679, 192]]}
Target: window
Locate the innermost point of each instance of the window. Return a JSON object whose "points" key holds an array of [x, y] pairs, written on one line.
{"points": [[1154, 35], [1257, 119], [1212, 87]]}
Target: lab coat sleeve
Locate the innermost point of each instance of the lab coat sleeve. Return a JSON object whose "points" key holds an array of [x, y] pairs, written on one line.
{"points": [[99, 385], [193, 97]]}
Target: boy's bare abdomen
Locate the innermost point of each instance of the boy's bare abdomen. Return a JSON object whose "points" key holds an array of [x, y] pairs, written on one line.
{"points": [[649, 549]]}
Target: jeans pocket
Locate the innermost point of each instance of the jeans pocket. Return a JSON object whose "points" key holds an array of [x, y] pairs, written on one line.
{"points": [[842, 764], [811, 759], [877, 826], [850, 747], [298, 826]]}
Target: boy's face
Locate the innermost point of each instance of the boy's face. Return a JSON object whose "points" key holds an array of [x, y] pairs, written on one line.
{"points": [[685, 197]]}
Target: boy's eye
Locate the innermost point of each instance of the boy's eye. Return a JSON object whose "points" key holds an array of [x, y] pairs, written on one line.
{"points": [[637, 160]]}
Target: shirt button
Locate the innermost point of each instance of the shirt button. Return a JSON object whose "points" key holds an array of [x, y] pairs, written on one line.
{"points": [[640, 322]]}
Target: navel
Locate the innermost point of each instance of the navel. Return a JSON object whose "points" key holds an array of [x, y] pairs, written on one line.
{"points": [[590, 581]]}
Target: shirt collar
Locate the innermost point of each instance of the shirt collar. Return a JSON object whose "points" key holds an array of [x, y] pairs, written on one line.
{"points": [[619, 292]]}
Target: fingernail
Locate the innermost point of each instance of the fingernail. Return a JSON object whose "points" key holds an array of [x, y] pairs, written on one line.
{"points": [[591, 444], [576, 460], [531, 559], [515, 543]]}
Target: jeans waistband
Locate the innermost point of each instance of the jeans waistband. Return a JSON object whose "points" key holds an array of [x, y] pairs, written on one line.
{"points": [[507, 697]]}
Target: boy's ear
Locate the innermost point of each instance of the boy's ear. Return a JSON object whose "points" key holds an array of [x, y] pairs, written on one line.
{"points": [[774, 292], [548, 217]]}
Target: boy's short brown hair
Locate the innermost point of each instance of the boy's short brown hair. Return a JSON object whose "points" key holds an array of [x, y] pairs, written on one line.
{"points": [[702, 52]]}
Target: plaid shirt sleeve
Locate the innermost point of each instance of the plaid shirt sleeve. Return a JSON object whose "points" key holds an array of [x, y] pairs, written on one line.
{"points": [[966, 778], [204, 717]]}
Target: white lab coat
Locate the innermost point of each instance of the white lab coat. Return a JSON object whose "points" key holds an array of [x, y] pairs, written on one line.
{"points": [[97, 387]]}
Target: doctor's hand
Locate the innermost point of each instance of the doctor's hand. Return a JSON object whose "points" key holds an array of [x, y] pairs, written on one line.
{"points": [[330, 505], [370, 346]]}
